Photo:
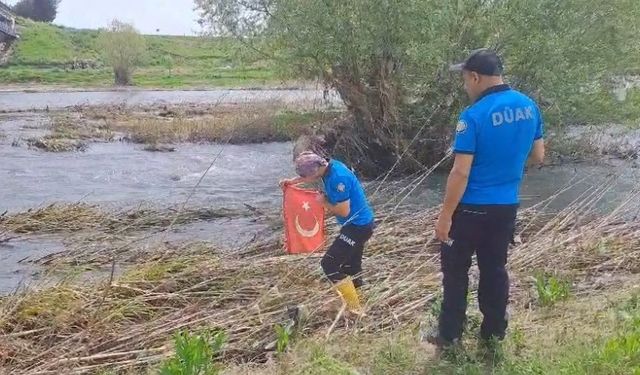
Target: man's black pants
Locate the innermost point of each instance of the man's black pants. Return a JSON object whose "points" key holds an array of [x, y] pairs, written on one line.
{"points": [[487, 231], [344, 257]]}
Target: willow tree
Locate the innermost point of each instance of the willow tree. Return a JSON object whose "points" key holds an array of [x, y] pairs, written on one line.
{"points": [[123, 48], [388, 59]]}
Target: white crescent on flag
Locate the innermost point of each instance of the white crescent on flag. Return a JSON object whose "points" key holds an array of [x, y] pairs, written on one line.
{"points": [[304, 232], [307, 233]]}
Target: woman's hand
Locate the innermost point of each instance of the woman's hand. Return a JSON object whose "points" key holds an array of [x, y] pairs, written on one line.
{"points": [[287, 182]]}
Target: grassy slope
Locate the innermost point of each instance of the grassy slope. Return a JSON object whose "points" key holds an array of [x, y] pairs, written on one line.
{"points": [[44, 53]]}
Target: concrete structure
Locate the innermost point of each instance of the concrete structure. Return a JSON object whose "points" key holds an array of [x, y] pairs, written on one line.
{"points": [[7, 23]]}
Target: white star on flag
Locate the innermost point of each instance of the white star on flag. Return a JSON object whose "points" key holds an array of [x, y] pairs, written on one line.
{"points": [[306, 206]]}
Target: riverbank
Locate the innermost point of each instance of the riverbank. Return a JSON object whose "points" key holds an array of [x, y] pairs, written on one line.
{"points": [[573, 265], [49, 55], [163, 243]]}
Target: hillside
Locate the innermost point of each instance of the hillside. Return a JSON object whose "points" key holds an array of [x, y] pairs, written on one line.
{"points": [[52, 55]]}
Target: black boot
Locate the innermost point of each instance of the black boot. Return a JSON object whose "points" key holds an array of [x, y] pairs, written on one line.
{"points": [[432, 336], [490, 350]]}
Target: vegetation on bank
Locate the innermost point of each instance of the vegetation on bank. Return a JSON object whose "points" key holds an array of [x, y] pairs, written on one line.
{"points": [[590, 335], [159, 125], [51, 55], [389, 62], [78, 217], [255, 311], [37, 10], [122, 48]]}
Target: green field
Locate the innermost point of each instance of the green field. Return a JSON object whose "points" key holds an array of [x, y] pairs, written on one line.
{"points": [[45, 54]]}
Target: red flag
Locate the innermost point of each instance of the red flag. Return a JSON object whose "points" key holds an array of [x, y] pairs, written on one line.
{"points": [[303, 220]]}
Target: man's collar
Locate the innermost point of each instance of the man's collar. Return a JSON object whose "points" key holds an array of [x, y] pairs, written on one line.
{"points": [[493, 90]]}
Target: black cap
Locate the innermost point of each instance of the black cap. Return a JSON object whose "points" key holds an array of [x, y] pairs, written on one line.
{"points": [[482, 61]]}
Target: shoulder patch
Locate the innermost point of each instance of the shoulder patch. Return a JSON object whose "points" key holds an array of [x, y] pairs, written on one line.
{"points": [[461, 126]]}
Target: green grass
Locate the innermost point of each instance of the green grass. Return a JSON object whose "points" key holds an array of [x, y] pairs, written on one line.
{"points": [[322, 363], [17, 74], [194, 354], [602, 339], [283, 334], [44, 55], [42, 44], [157, 271], [551, 290]]}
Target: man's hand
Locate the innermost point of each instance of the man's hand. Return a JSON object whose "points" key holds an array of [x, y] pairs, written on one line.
{"points": [[443, 227], [536, 157], [456, 186]]}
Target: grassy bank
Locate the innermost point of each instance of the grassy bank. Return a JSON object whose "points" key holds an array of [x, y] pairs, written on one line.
{"points": [[574, 281], [52, 55], [587, 335]]}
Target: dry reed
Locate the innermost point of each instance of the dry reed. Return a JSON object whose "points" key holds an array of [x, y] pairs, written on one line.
{"points": [[127, 324], [233, 123]]}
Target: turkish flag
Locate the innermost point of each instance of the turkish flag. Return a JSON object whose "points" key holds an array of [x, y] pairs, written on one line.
{"points": [[303, 220]]}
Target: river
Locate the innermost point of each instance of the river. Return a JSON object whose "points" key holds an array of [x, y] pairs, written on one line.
{"points": [[121, 175], [24, 101]]}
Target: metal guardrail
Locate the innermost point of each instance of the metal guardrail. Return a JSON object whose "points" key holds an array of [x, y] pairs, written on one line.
{"points": [[7, 29], [6, 13]]}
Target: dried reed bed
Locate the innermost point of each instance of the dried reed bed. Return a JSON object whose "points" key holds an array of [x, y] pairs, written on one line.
{"points": [[74, 217], [94, 237], [126, 323], [195, 123]]}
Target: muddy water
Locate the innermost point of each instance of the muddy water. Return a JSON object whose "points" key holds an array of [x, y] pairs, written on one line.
{"points": [[117, 174], [123, 175], [21, 101], [14, 270], [120, 174]]}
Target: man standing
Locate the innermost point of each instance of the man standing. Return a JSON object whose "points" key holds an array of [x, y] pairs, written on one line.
{"points": [[494, 138]]}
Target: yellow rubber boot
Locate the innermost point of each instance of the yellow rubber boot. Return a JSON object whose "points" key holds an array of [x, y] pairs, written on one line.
{"points": [[349, 295]]}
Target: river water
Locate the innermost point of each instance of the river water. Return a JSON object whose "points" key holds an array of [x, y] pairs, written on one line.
{"points": [[22, 101], [123, 175]]}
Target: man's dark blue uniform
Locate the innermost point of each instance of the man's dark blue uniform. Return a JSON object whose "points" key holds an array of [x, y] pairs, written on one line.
{"points": [[499, 129]]}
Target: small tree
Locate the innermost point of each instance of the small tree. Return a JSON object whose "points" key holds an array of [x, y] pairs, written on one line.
{"points": [[123, 48], [37, 10], [167, 62]]}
